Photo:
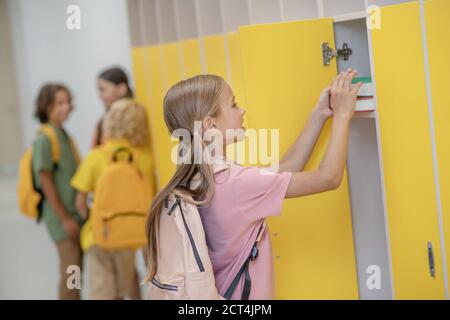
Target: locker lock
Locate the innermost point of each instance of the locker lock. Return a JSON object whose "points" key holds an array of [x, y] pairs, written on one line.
{"points": [[329, 53]]}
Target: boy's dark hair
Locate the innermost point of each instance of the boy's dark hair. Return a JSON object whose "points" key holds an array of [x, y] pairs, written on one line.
{"points": [[117, 76], [46, 99]]}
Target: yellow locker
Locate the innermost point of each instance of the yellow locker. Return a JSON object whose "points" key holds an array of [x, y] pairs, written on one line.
{"points": [[141, 79], [154, 73], [215, 55], [162, 68], [170, 74], [238, 150], [236, 71], [191, 58], [141, 85], [312, 240], [171, 64], [437, 24], [216, 63], [406, 152]]}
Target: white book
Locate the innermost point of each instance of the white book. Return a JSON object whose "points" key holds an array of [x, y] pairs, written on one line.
{"points": [[366, 104], [366, 90]]}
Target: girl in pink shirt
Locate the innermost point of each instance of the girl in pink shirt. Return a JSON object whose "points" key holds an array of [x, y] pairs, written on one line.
{"points": [[234, 203]]}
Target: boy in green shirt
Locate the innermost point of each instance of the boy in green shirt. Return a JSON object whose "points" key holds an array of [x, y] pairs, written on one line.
{"points": [[58, 206]]}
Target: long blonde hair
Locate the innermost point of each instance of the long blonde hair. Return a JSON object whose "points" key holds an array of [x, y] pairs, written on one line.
{"points": [[187, 101]]}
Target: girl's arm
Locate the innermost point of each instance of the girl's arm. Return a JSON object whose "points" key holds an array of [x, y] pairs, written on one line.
{"points": [[328, 175], [81, 204], [48, 188], [299, 153]]}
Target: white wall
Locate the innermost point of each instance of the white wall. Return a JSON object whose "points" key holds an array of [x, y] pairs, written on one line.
{"points": [[45, 50], [10, 132]]}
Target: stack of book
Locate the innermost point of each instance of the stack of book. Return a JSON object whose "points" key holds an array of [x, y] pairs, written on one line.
{"points": [[365, 101]]}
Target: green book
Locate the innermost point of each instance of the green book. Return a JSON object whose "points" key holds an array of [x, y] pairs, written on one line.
{"points": [[362, 79]]}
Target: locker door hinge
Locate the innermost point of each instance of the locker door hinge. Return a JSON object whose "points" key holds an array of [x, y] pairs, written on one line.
{"points": [[329, 53], [431, 259]]}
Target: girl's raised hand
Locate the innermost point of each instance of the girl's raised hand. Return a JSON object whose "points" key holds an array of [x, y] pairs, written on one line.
{"points": [[322, 108], [344, 93]]}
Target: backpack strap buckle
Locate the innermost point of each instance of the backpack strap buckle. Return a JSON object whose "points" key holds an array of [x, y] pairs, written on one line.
{"points": [[255, 253], [177, 203]]}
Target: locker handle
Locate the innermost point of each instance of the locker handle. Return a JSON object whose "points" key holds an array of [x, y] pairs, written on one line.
{"points": [[431, 259]]}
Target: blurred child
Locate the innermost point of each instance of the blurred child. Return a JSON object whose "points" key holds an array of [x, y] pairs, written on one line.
{"points": [[112, 85], [111, 269], [57, 208]]}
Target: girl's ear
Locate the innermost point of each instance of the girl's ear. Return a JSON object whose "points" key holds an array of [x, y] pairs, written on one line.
{"points": [[208, 123]]}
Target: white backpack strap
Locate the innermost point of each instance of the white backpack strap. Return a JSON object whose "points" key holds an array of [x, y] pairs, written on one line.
{"points": [[178, 204], [173, 207]]}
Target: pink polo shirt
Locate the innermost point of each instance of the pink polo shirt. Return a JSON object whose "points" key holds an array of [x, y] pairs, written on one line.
{"points": [[243, 197]]}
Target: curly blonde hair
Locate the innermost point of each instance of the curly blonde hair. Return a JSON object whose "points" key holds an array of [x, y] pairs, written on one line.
{"points": [[127, 119]]}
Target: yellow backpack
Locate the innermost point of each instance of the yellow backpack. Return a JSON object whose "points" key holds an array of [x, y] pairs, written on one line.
{"points": [[122, 198], [29, 197]]}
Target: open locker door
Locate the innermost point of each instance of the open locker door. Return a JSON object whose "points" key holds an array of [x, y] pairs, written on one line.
{"points": [[283, 77]]}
